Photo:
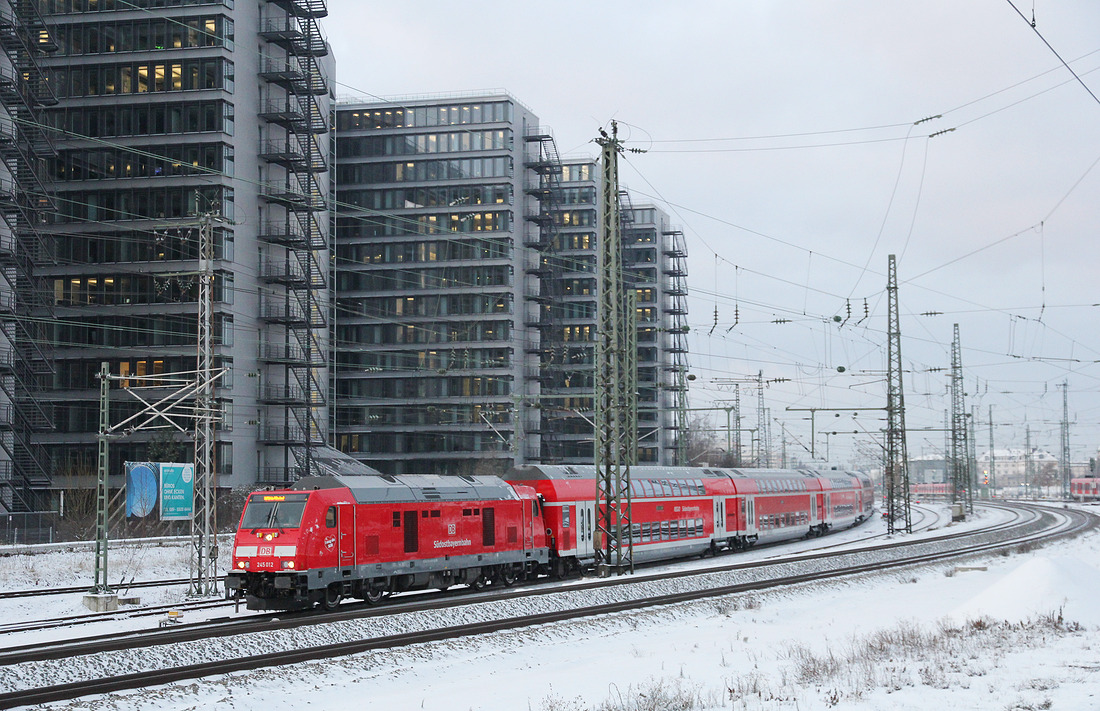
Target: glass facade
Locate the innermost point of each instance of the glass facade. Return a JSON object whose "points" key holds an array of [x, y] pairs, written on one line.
{"points": [[431, 334], [651, 268], [146, 137]]}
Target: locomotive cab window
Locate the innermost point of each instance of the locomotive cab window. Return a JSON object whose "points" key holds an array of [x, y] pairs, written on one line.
{"points": [[397, 519], [330, 517], [269, 511]]}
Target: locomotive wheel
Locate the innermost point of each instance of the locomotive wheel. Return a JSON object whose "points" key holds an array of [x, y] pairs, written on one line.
{"points": [[332, 597], [480, 583], [507, 577], [373, 597]]}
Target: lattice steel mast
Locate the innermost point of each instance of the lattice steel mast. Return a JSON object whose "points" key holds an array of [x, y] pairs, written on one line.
{"points": [[736, 425], [1065, 439], [614, 546], [102, 586], [960, 460], [992, 458], [1029, 474], [761, 424], [972, 451], [204, 523], [896, 465]]}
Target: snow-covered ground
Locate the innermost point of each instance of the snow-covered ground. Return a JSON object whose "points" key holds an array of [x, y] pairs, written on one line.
{"points": [[1020, 634]]}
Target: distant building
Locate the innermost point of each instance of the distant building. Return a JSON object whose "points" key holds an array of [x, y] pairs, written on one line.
{"points": [[654, 257], [435, 319], [927, 469], [1014, 467], [466, 288]]}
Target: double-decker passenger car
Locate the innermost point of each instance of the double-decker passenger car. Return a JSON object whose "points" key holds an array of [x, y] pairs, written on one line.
{"points": [[683, 511], [932, 491], [1085, 488]]}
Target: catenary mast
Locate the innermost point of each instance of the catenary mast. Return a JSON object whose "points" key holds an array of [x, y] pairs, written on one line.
{"points": [[614, 549], [896, 471]]}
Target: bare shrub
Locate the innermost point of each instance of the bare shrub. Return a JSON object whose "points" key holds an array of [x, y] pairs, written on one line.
{"points": [[553, 702], [750, 602], [661, 695], [904, 655]]}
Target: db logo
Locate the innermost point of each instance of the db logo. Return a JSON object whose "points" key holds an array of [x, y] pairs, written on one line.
{"points": [[330, 542], [267, 550], [451, 529]]}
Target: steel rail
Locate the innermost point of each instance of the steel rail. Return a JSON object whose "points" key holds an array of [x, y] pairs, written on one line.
{"points": [[223, 627], [1074, 523]]}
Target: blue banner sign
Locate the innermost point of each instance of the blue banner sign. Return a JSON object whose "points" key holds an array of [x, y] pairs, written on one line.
{"points": [[177, 492], [142, 490]]}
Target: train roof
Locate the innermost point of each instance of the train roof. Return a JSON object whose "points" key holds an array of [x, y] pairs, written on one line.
{"points": [[587, 471], [326, 461], [337, 470]]}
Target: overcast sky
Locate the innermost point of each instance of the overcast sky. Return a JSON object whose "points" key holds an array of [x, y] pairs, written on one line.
{"points": [[782, 139]]}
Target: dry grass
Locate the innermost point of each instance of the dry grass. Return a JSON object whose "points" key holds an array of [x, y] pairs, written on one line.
{"points": [[659, 695], [951, 656]]}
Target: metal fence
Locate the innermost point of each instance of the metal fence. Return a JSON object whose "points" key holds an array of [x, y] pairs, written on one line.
{"points": [[25, 528]]}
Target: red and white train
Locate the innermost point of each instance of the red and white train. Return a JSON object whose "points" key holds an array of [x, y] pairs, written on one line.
{"points": [[1085, 489], [354, 532], [684, 511], [938, 490]]}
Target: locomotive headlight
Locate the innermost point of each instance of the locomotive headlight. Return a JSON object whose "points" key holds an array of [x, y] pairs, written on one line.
{"points": [[288, 564], [268, 537], [240, 564]]}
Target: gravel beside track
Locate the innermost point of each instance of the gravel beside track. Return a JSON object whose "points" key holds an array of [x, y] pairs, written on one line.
{"points": [[322, 638]]}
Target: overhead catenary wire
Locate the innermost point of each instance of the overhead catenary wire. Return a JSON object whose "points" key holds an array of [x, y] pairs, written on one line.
{"points": [[736, 271], [1039, 34]]}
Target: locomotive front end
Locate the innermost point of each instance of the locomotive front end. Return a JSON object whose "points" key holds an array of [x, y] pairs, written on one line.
{"points": [[269, 560]]}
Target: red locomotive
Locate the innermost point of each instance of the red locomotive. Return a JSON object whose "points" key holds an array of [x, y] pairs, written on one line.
{"points": [[1085, 488], [359, 533], [354, 532]]}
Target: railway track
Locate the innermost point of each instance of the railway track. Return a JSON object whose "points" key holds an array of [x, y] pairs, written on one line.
{"points": [[365, 629], [926, 519], [419, 602], [88, 619], [42, 592], [97, 617]]}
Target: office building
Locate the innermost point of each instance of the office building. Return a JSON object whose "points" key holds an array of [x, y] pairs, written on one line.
{"points": [[437, 346], [466, 285], [161, 111]]}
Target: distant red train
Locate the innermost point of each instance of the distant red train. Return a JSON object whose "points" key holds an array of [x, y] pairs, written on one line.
{"points": [[932, 491], [357, 533], [1085, 489]]}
